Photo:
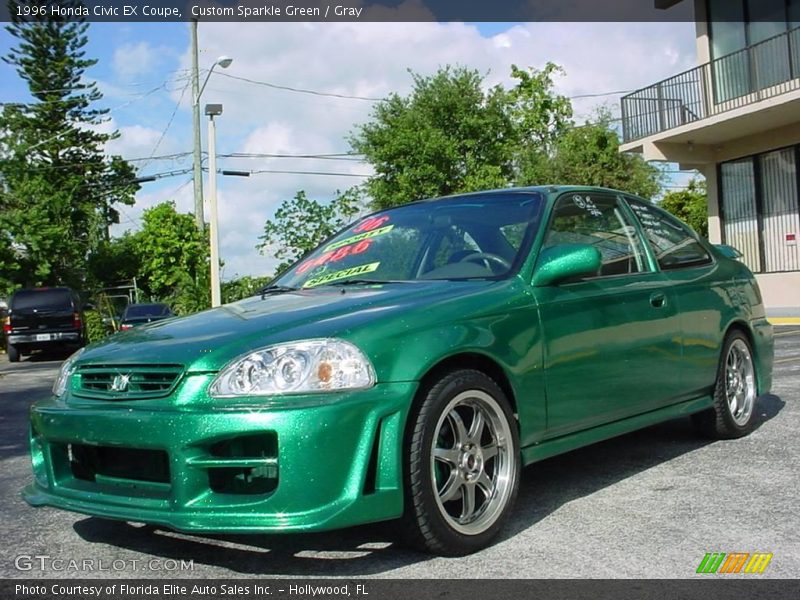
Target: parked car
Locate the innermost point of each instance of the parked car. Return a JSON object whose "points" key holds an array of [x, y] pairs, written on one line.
{"points": [[408, 368], [49, 318], [139, 314]]}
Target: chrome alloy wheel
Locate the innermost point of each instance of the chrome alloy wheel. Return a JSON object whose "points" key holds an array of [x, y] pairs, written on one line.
{"points": [[472, 462], [740, 382]]}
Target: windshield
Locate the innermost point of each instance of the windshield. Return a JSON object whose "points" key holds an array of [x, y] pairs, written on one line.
{"points": [[463, 237]]}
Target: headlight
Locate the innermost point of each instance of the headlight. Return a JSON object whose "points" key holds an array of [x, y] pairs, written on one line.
{"points": [[295, 368], [67, 368]]}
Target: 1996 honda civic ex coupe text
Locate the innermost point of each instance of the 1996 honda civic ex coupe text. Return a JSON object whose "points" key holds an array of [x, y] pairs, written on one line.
{"points": [[407, 369]]}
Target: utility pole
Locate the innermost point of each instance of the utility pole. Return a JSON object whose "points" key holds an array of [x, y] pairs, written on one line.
{"points": [[198, 171], [213, 110]]}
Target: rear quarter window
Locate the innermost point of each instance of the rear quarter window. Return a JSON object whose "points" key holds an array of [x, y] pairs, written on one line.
{"points": [[674, 244]]}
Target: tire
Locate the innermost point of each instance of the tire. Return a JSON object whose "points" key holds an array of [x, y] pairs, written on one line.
{"points": [[13, 353], [733, 413], [461, 465]]}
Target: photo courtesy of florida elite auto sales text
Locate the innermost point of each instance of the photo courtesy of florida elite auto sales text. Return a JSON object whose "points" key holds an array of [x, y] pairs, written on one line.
{"points": [[384, 298]]}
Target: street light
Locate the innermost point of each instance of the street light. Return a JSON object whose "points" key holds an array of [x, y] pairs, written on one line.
{"points": [[213, 110], [197, 90]]}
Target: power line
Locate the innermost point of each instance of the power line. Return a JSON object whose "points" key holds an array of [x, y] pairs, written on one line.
{"points": [[328, 173], [287, 88], [169, 122], [83, 87], [174, 156], [599, 94], [342, 157]]}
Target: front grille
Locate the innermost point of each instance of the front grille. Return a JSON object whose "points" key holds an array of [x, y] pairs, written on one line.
{"points": [[99, 463], [126, 382]]}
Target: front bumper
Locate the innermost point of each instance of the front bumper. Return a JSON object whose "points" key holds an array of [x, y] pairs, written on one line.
{"points": [[312, 464]]}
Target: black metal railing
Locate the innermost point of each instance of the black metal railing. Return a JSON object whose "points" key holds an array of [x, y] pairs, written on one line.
{"points": [[764, 70]]}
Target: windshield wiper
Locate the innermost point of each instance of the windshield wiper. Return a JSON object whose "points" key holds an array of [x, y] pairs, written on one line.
{"points": [[365, 281], [275, 289]]}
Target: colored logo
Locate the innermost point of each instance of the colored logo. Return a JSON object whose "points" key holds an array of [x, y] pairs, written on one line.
{"points": [[736, 562]]}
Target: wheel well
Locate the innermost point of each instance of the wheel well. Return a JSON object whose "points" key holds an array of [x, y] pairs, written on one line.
{"points": [[743, 328], [479, 362]]}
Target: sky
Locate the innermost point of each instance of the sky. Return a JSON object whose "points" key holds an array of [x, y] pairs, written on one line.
{"points": [[143, 72]]}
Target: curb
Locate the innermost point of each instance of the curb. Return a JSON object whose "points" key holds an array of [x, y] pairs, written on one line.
{"points": [[784, 320]]}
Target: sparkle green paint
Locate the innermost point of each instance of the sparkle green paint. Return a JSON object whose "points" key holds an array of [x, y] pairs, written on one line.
{"points": [[496, 307]]}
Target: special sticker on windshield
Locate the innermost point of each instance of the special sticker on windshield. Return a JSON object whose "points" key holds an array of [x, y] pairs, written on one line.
{"points": [[358, 238], [343, 274]]}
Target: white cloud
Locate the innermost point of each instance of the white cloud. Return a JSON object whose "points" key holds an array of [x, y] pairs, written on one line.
{"points": [[135, 59], [372, 60]]}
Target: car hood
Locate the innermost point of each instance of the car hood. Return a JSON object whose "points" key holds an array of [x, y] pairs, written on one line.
{"points": [[206, 341]]}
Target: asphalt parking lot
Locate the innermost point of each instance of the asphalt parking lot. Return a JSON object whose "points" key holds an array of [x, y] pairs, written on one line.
{"points": [[645, 505]]}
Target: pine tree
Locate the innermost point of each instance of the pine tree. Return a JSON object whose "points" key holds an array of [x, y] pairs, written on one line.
{"points": [[57, 187]]}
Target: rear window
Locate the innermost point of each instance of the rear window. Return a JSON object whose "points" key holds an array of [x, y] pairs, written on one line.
{"points": [[55, 299], [147, 310]]}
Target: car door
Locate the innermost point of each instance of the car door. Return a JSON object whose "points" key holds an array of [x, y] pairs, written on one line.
{"points": [[611, 343], [691, 271]]}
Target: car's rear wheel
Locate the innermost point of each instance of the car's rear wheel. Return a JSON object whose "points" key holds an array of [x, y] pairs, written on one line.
{"points": [[13, 353], [462, 465], [735, 392]]}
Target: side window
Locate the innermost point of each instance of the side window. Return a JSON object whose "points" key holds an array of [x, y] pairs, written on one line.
{"points": [[674, 244], [599, 221]]}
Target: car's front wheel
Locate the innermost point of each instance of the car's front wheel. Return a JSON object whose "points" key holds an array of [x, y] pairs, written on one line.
{"points": [[735, 392], [462, 465]]}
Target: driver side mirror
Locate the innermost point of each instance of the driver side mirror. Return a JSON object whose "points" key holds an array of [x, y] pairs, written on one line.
{"points": [[565, 261]]}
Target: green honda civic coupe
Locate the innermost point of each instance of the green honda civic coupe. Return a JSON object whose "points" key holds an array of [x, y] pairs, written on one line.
{"points": [[408, 368]]}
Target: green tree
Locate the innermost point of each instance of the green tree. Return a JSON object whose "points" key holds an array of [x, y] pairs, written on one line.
{"points": [[589, 155], [174, 258], [58, 188], [689, 205], [114, 261], [302, 223], [447, 136], [540, 115], [242, 287]]}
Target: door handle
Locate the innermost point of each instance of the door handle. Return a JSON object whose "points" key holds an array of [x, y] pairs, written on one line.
{"points": [[658, 300]]}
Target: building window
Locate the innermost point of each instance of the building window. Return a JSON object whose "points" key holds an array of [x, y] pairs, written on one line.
{"points": [[760, 214], [781, 221], [737, 25]]}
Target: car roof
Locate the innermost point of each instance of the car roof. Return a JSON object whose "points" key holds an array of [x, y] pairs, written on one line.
{"points": [[43, 289], [148, 304], [546, 190]]}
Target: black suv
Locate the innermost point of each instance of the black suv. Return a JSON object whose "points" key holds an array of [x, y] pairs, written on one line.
{"points": [[43, 319]]}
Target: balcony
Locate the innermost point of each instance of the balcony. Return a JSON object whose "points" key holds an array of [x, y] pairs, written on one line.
{"points": [[744, 93]]}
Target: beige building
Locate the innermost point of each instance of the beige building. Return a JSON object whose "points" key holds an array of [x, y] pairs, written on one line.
{"points": [[736, 118]]}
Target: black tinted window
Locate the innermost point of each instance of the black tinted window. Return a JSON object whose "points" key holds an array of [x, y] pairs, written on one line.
{"points": [[56, 299], [674, 244]]}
